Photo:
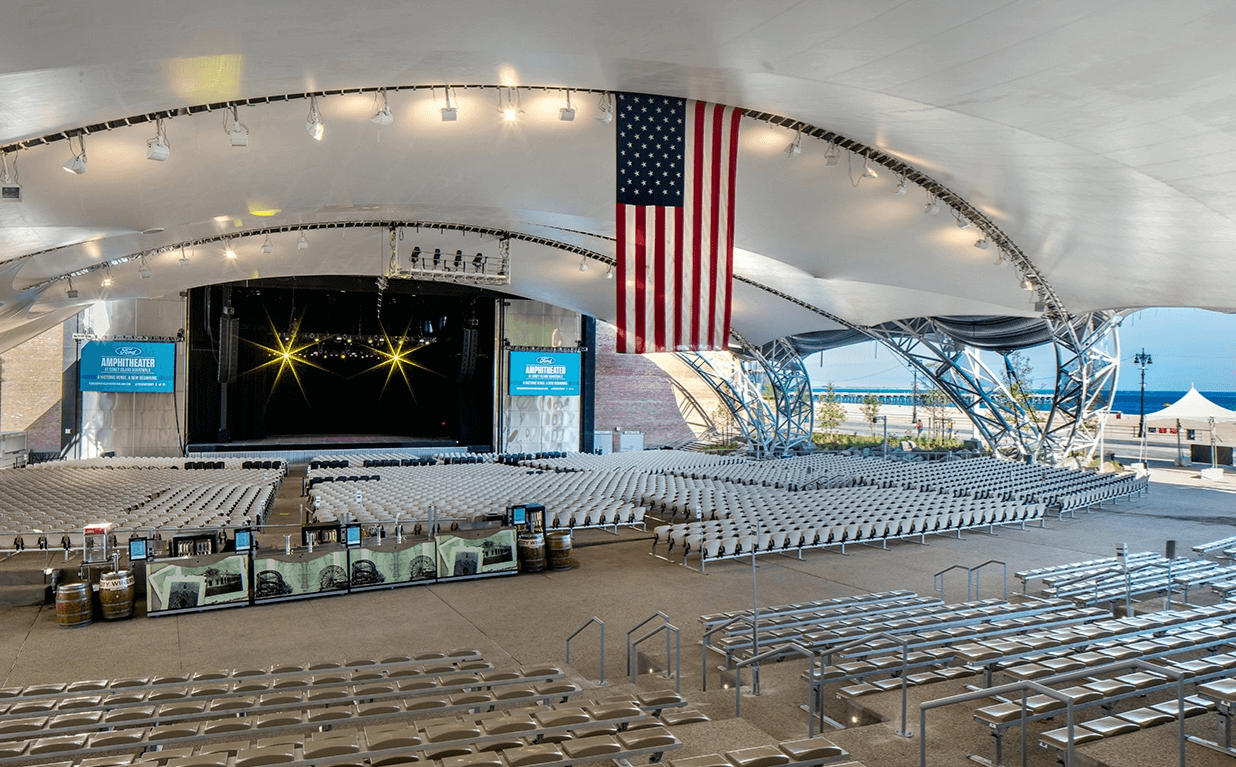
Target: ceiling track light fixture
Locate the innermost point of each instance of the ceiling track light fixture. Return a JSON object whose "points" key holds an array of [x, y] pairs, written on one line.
{"points": [[832, 155], [313, 123], [10, 190], [450, 113], [609, 273], [962, 222], [605, 108], [567, 113], [901, 186], [868, 171], [143, 270], [982, 243], [158, 148], [77, 163], [796, 146], [1027, 283], [932, 208], [1000, 256], [583, 264], [382, 111], [512, 106], [237, 131], [302, 242], [70, 291], [184, 260], [267, 246], [228, 250], [107, 276]]}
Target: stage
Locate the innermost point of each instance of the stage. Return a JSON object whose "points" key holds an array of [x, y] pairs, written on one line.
{"points": [[345, 444]]}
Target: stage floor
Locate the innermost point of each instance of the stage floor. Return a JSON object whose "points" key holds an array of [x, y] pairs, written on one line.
{"points": [[284, 442]]}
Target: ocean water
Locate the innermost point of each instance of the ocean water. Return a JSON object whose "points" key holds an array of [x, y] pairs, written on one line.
{"points": [[1125, 401]]}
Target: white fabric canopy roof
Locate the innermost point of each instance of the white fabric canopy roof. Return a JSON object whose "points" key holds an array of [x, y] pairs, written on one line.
{"points": [[1192, 411]]}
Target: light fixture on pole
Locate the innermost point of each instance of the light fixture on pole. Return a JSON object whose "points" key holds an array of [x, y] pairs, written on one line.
{"points": [[449, 113], [237, 131], [77, 163], [267, 246], [605, 108], [302, 242], [511, 106], [795, 148], [382, 110], [70, 291], [313, 123], [158, 148], [1142, 359], [567, 113], [143, 270]]}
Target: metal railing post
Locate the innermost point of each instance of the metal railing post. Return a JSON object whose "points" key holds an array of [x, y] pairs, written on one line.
{"points": [[667, 628], [905, 662], [601, 623], [658, 614], [704, 649], [791, 647]]}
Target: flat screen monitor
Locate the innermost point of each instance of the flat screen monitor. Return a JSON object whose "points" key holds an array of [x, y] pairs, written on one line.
{"points": [[519, 515], [352, 536], [244, 540], [139, 549], [128, 366], [539, 373]]}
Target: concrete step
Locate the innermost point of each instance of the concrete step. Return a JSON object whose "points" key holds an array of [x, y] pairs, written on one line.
{"points": [[15, 596]]}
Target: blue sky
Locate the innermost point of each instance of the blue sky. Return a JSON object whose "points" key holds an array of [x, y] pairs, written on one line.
{"points": [[1188, 346]]}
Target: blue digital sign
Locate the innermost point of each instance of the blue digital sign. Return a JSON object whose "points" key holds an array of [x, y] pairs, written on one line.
{"points": [[534, 373], [128, 366]]}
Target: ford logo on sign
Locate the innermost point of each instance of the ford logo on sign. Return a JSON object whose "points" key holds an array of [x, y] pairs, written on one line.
{"points": [[128, 351], [545, 360]]}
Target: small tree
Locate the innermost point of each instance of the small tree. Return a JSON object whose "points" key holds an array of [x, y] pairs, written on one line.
{"points": [[871, 409], [829, 413], [1018, 379], [935, 402]]}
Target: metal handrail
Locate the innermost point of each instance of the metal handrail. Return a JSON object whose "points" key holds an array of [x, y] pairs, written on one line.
{"points": [[975, 572], [667, 628], [788, 647], [658, 614], [989, 692], [601, 623], [704, 648], [937, 580], [905, 662]]}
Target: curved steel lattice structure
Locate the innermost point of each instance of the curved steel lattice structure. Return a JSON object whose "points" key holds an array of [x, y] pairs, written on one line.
{"points": [[766, 390], [1087, 362]]}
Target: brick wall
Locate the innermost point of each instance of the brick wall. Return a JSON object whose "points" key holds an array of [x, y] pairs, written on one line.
{"points": [[30, 389], [633, 393]]}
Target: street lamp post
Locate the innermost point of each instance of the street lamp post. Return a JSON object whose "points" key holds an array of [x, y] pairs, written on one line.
{"points": [[1142, 359]]}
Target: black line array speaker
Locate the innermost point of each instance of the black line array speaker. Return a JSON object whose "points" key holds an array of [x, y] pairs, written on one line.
{"points": [[467, 358], [229, 334]]}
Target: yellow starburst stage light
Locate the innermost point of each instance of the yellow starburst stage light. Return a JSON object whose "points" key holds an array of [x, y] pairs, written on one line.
{"points": [[286, 354], [397, 359]]}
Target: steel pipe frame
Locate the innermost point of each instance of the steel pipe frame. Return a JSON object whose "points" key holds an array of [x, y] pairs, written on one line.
{"points": [[738, 379]]}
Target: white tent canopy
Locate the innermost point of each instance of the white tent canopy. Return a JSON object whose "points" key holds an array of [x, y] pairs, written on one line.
{"points": [[1192, 411]]}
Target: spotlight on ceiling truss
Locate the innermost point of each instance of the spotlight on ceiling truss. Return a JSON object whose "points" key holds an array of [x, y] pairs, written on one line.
{"points": [[567, 113], [77, 163], [313, 123], [237, 131], [450, 113], [382, 111], [158, 148]]}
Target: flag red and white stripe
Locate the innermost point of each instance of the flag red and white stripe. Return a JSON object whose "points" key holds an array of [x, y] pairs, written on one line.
{"points": [[675, 262]]}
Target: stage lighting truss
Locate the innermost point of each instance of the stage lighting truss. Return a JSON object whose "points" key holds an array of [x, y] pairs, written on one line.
{"points": [[350, 345], [438, 264]]}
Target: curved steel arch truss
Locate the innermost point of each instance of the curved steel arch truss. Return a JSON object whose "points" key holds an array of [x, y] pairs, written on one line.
{"points": [[1087, 363], [766, 390]]}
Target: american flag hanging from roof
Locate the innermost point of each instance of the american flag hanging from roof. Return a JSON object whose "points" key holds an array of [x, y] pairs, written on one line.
{"points": [[675, 220]]}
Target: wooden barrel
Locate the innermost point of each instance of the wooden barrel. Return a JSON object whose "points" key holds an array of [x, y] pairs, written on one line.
{"points": [[73, 605], [531, 549], [558, 546], [116, 595]]}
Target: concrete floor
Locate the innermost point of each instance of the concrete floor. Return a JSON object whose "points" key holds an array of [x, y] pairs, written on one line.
{"points": [[527, 618]]}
